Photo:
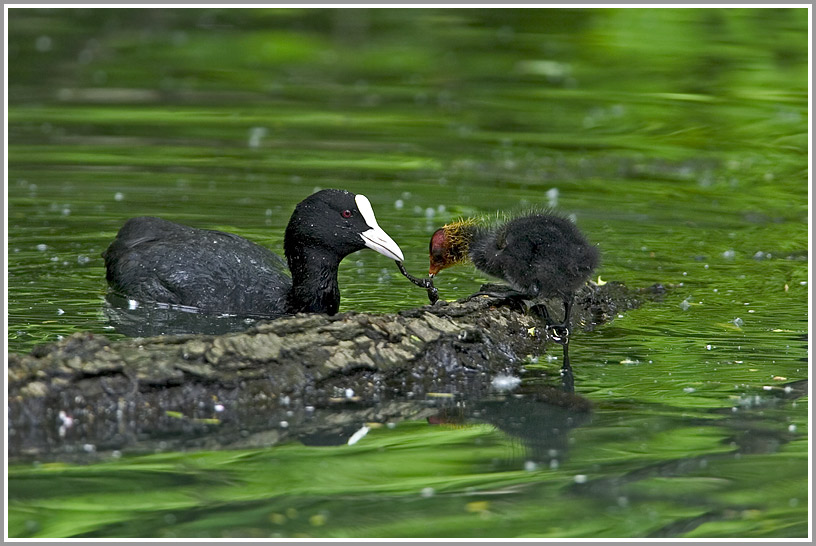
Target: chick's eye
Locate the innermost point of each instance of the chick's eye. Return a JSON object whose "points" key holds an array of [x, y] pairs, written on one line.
{"points": [[346, 213]]}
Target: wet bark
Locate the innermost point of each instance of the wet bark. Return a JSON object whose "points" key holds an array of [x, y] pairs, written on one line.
{"points": [[122, 387]]}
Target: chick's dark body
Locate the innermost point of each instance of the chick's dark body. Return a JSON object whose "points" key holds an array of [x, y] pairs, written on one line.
{"points": [[539, 255], [542, 255]]}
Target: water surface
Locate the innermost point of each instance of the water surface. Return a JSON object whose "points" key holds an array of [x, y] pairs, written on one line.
{"points": [[676, 139]]}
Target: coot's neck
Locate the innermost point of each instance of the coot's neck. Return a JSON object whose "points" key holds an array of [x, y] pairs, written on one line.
{"points": [[314, 281]]}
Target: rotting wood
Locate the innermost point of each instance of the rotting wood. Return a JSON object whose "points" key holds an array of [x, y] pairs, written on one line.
{"points": [[120, 387]]}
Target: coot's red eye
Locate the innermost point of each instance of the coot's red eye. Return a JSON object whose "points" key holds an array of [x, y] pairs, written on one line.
{"points": [[346, 213]]}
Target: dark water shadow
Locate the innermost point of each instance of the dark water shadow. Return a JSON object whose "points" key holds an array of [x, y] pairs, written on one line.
{"points": [[540, 419], [134, 319]]}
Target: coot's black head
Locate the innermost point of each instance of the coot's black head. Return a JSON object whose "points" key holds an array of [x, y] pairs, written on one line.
{"points": [[336, 222]]}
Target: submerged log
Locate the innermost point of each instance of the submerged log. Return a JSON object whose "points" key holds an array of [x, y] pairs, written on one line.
{"points": [[122, 387]]}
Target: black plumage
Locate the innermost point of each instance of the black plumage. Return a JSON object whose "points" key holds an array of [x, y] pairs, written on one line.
{"points": [[155, 260], [540, 256]]}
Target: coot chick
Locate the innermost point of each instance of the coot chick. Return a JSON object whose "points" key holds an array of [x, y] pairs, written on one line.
{"points": [[154, 260], [540, 255]]}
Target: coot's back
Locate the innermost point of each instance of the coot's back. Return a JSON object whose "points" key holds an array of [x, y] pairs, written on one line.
{"points": [[155, 260]]}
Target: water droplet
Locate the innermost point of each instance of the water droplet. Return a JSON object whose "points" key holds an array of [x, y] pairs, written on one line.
{"points": [[256, 135], [552, 197], [43, 44], [504, 382]]}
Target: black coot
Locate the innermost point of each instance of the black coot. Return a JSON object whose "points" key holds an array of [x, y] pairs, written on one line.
{"points": [[154, 260], [541, 255]]}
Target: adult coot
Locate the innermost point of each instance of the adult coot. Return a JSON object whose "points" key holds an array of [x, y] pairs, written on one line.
{"points": [[154, 260], [541, 255]]}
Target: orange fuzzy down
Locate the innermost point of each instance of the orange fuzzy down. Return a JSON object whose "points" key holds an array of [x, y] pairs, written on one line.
{"points": [[449, 245]]}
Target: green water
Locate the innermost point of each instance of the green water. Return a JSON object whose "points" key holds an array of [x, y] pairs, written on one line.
{"points": [[677, 138]]}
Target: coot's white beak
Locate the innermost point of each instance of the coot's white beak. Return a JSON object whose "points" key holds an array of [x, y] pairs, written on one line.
{"points": [[375, 238]]}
